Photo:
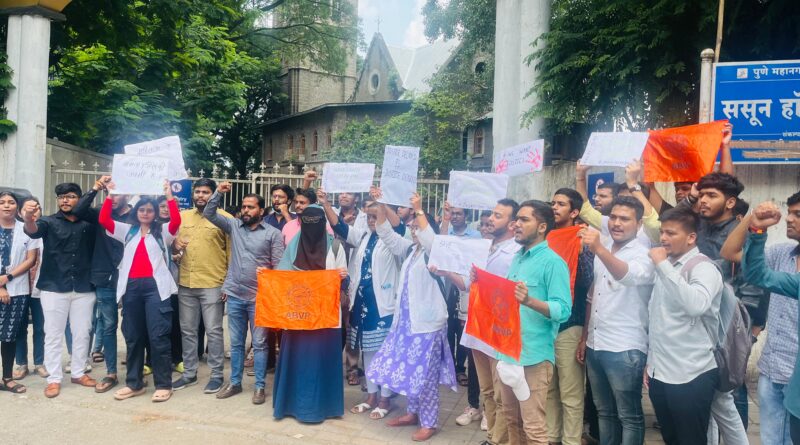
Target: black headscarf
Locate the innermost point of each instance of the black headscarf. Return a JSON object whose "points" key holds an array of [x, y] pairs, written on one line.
{"points": [[312, 248]]}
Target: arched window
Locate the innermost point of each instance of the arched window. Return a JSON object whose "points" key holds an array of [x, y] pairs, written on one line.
{"points": [[314, 142], [477, 142], [290, 147], [302, 145], [269, 150], [329, 137]]}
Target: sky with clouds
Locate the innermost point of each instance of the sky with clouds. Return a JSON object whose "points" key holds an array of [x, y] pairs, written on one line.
{"points": [[401, 21]]}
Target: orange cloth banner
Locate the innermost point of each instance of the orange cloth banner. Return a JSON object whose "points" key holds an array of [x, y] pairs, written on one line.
{"points": [[494, 313], [567, 245], [298, 300], [682, 154]]}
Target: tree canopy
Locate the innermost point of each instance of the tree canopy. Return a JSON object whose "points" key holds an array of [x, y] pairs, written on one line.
{"points": [[636, 63], [208, 70]]}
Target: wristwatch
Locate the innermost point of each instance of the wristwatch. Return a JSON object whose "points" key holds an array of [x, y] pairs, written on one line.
{"points": [[9, 276], [635, 188], [419, 213]]}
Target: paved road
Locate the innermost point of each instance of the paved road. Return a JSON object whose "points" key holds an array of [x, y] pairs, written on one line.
{"points": [[79, 416]]}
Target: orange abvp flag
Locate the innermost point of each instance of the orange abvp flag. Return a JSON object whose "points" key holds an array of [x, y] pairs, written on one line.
{"points": [[494, 313], [298, 300], [682, 154], [567, 245]]}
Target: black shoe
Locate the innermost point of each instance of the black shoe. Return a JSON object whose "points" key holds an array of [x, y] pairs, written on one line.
{"points": [[183, 382], [214, 385], [229, 391]]}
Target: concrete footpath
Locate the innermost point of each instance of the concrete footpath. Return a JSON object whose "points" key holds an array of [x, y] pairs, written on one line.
{"points": [[80, 416]]}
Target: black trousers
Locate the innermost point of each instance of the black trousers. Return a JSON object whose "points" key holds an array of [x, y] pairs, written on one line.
{"points": [[145, 317], [794, 429], [683, 411], [473, 386]]}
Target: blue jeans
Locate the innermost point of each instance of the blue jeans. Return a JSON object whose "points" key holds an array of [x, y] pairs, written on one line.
{"points": [[34, 307], [616, 379], [241, 315], [740, 400], [106, 328], [774, 417]]}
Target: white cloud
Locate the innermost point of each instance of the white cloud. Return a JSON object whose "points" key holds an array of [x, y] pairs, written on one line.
{"points": [[415, 33], [367, 9]]}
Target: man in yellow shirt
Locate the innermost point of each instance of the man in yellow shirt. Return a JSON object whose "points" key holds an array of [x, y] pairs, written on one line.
{"points": [[204, 250]]}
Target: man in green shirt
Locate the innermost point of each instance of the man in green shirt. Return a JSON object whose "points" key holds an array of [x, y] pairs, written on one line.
{"points": [[545, 301], [757, 272]]}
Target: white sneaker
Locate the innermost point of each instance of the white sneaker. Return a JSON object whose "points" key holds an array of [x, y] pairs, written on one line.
{"points": [[484, 423], [469, 415]]}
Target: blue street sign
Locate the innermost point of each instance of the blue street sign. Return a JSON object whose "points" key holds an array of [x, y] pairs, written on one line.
{"points": [[762, 101], [182, 191]]}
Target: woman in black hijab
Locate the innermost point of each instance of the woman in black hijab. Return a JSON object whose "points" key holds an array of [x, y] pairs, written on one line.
{"points": [[308, 376]]}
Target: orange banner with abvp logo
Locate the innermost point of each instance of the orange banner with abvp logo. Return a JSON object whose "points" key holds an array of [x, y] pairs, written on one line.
{"points": [[682, 154], [298, 300], [493, 314]]}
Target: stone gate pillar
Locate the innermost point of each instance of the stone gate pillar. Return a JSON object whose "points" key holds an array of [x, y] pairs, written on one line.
{"points": [[22, 155]]}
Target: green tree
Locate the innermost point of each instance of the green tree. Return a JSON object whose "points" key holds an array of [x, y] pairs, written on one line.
{"points": [[434, 123], [126, 71], [636, 63]]}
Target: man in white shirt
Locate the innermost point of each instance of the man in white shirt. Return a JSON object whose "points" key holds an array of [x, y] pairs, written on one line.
{"points": [[681, 368], [616, 346], [484, 356]]}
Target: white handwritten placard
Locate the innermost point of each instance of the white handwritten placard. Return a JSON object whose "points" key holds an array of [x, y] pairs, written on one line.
{"points": [[521, 159], [168, 147], [347, 177], [455, 254], [399, 174], [139, 175], [614, 149], [475, 190]]}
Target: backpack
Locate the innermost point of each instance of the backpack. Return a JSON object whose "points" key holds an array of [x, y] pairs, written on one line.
{"points": [[732, 340], [436, 278], [160, 240]]}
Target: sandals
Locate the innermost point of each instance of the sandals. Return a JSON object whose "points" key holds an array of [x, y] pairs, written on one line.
{"points": [[105, 384], [400, 421], [127, 393], [361, 408], [379, 413], [161, 395], [98, 357], [17, 388]]}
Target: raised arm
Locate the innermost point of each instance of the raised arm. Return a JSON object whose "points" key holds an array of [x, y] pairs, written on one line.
{"points": [[693, 297], [210, 212], [105, 219], [732, 249], [84, 209], [32, 226], [725, 159], [756, 270], [444, 228], [174, 212], [591, 239]]}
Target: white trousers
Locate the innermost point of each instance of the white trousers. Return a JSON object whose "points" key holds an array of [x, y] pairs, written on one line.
{"points": [[725, 421], [58, 308]]}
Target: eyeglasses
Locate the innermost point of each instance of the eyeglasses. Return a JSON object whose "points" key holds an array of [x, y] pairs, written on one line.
{"points": [[62, 197]]}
